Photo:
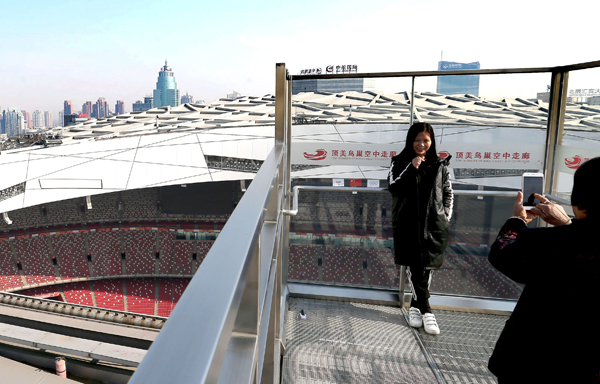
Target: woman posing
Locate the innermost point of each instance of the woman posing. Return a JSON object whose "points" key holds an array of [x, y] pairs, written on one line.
{"points": [[420, 185]]}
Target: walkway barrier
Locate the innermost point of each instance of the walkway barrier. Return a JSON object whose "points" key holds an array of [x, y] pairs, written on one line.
{"points": [[227, 327]]}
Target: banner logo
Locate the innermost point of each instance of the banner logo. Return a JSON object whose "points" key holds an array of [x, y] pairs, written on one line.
{"points": [[320, 155], [443, 154], [575, 161]]}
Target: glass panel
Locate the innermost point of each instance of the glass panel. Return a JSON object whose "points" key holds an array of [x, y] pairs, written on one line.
{"points": [[342, 238], [345, 238], [581, 136]]}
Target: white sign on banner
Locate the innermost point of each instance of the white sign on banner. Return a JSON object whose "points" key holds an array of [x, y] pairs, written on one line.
{"points": [[491, 156], [373, 183], [464, 155], [338, 182], [568, 159], [314, 153]]}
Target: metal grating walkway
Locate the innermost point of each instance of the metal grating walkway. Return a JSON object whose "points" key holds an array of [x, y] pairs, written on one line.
{"points": [[343, 342]]}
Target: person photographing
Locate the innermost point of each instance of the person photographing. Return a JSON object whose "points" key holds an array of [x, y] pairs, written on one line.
{"points": [[560, 268]]}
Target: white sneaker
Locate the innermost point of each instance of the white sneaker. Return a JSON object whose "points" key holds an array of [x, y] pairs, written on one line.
{"points": [[415, 318], [430, 323]]}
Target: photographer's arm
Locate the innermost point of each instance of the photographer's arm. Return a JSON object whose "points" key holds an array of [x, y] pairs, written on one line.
{"points": [[509, 253]]}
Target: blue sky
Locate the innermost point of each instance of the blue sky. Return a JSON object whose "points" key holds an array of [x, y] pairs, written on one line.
{"points": [[53, 51]]}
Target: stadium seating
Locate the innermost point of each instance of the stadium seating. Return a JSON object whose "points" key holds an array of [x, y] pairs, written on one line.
{"points": [[139, 204], [302, 265], [169, 292], [109, 294], [166, 249], [9, 275], [348, 232], [69, 249], [341, 265], [78, 293], [141, 296], [140, 246], [33, 252], [105, 247], [50, 291], [182, 258], [381, 268]]}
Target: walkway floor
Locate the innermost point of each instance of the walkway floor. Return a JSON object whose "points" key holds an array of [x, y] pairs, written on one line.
{"points": [[342, 342]]}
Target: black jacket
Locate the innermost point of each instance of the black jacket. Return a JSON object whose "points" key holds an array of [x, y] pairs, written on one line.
{"points": [[420, 237], [552, 334]]}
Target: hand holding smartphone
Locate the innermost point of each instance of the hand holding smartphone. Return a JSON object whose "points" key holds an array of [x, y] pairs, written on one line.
{"points": [[531, 183]]}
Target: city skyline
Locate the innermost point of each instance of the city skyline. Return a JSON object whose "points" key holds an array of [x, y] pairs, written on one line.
{"points": [[236, 46]]}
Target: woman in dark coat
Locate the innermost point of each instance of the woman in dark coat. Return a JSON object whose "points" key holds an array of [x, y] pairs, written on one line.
{"points": [[422, 192], [560, 266]]}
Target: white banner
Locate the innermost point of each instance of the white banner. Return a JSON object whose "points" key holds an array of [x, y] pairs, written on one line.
{"points": [[373, 183], [568, 159], [338, 182], [464, 155]]}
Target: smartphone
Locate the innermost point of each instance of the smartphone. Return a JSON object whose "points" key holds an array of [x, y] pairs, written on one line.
{"points": [[532, 183]]}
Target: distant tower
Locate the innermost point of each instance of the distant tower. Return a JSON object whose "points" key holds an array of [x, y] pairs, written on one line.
{"points": [[146, 105], [458, 85], [13, 122], [100, 109], [28, 120], [48, 119], [233, 95], [120, 107], [86, 109], [68, 108], [187, 98], [166, 92], [38, 119]]}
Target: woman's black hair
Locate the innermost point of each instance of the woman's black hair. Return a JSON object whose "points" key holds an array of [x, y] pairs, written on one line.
{"points": [[408, 151], [586, 184]]}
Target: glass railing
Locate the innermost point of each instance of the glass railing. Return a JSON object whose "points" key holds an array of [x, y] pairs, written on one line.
{"points": [[227, 325], [343, 236], [580, 137]]}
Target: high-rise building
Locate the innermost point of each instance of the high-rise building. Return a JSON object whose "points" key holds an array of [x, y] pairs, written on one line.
{"points": [[27, 117], [462, 84], [13, 123], [61, 119], [332, 85], [233, 95], [166, 92], [48, 119], [74, 119], [38, 119], [146, 105], [187, 98], [68, 108], [119, 107], [86, 109], [357, 84], [100, 109]]}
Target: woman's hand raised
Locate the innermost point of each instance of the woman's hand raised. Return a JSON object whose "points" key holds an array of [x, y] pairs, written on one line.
{"points": [[416, 162]]}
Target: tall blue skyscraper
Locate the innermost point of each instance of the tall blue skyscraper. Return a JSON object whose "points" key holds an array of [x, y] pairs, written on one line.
{"points": [[453, 85], [166, 92], [13, 123]]}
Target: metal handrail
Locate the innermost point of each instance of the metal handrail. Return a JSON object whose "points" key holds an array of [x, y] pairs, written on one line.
{"points": [[498, 71], [219, 305], [298, 188]]}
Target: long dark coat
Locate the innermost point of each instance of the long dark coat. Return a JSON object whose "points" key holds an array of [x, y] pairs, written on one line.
{"points": [[416, 243], [552, 335]]}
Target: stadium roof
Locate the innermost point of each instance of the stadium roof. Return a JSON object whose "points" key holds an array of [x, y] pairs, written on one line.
{"points": [[346, 107], [229, 138]]}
